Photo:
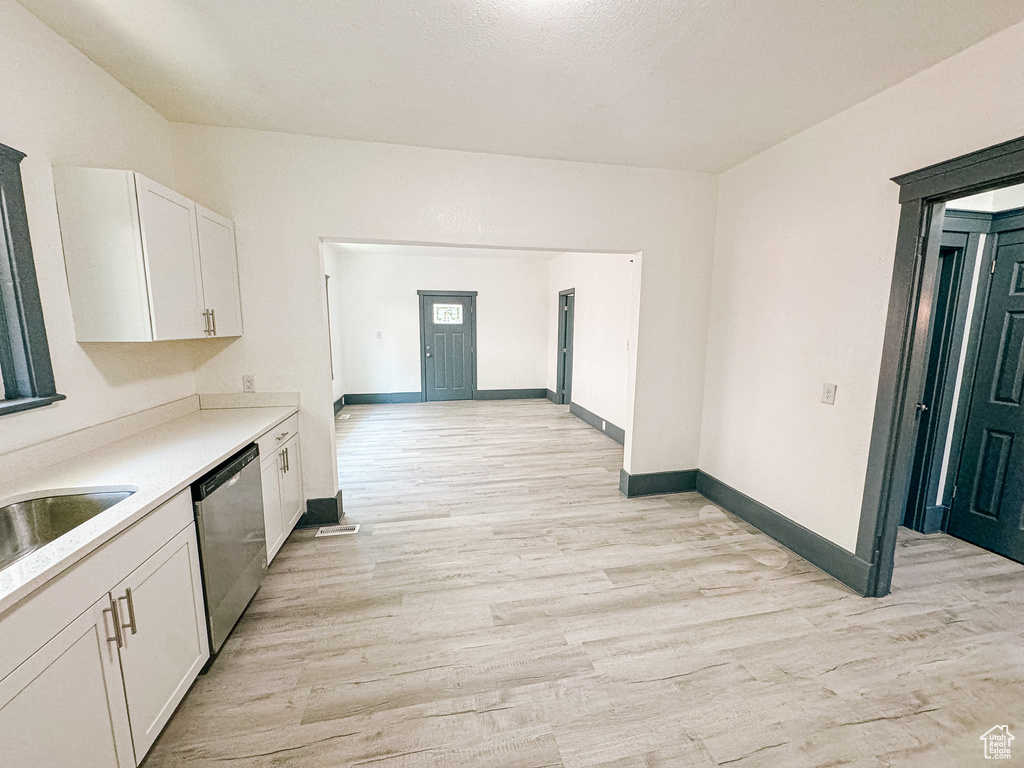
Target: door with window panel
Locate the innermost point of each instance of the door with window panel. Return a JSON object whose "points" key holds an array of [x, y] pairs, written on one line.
{"points": [[448, 332]]}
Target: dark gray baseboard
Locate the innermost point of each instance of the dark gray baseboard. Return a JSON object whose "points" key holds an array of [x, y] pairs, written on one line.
{"points": [[379, 398], [339, 404], [650, 483], [618, 434], [385, 398], [326, 511], [934, 520], [831, 558], [509, 394], [552, 396]]}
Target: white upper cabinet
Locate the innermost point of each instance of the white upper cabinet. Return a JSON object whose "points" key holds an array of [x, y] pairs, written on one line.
{"points": [[143, 262], [170, 247], [220, 272]]}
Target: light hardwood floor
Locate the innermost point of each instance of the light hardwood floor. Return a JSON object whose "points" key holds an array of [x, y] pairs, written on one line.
{"points": [[503, 605]]}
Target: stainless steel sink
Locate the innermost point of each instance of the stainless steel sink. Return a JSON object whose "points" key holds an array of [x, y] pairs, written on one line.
{"points": [[27, 525]]}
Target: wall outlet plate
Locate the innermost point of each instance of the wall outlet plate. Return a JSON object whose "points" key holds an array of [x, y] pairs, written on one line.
{"points": [[249, 383], [828, 394]]}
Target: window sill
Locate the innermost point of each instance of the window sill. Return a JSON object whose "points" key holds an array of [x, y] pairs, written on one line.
{"points": [[27, 403]]}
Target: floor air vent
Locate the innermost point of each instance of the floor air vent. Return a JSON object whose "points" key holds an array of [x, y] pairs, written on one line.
{"points": [[337, 530]]}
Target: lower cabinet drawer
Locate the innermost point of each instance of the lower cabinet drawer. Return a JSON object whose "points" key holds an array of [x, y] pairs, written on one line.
{"points": [[274, 439]]}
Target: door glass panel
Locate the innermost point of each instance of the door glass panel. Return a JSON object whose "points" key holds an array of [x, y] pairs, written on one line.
{"points": [[447, 314]]}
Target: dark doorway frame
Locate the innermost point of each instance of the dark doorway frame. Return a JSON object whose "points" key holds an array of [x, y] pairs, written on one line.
{"points": [[423, 296], [565, 357], [905, 349]]}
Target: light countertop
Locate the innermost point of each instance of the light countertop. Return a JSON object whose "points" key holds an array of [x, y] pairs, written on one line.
{"points": [[160, 462]]}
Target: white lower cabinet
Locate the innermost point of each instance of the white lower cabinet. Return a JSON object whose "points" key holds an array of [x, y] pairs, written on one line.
{"points": [[270, 476], [282, 493], [164, 634], [291, 486], [65, 705], [98, 692]]}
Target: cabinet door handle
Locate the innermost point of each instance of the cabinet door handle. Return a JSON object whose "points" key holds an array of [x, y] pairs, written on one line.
{"points": [[287, 464], [213, 321], [131, 611], [284, 466], [206, 321], [112, 610]]}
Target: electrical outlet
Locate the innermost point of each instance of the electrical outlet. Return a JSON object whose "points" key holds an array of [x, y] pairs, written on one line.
{"points": [[249, 383], [828, 394], [604, 425], [380, 335]]}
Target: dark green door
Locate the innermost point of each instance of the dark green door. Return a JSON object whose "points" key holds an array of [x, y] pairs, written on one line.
{"points": [[988, 509], [449, 346], [566, 318]]}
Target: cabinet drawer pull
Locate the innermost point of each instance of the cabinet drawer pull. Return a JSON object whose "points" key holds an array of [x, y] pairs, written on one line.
{"points": [[112, 610], [282, 436], [131, 611]]}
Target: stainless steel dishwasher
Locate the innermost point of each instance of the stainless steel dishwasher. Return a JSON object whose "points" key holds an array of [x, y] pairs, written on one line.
{"points": [[232, 539]]}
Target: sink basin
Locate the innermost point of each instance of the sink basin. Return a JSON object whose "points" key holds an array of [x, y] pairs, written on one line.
{"points": [[27, 525]]}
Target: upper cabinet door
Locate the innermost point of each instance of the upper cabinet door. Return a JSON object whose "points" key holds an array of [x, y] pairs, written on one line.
{"points": [[220, 272], [170, 246]]}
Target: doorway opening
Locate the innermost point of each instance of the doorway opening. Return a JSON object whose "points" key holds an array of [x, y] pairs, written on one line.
{"points": [[947, 452], [563, 349]]}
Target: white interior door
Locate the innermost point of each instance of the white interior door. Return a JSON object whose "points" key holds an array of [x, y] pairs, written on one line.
{"points": [[270, 476], [169, 646], [220, 271], [170, 245], [65, 705]]}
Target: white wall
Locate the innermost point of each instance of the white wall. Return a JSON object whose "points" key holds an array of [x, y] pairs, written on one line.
{"points": [[332, 267], [994, 201], [378, 293], [61, 109], [284, 192], [803, 260], [604, 329]]}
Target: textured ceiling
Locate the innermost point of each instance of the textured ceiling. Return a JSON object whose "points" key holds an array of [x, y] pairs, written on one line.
{"points": [[692, 84]]}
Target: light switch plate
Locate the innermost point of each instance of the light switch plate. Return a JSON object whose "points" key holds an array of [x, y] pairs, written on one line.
{"points": [[828, 394]]}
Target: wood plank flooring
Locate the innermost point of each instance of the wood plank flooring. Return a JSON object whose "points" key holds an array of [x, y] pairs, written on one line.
{"points": [[503, 605]]}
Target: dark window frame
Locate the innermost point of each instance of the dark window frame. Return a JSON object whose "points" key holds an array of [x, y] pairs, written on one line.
{"points": [[24, 352]]}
